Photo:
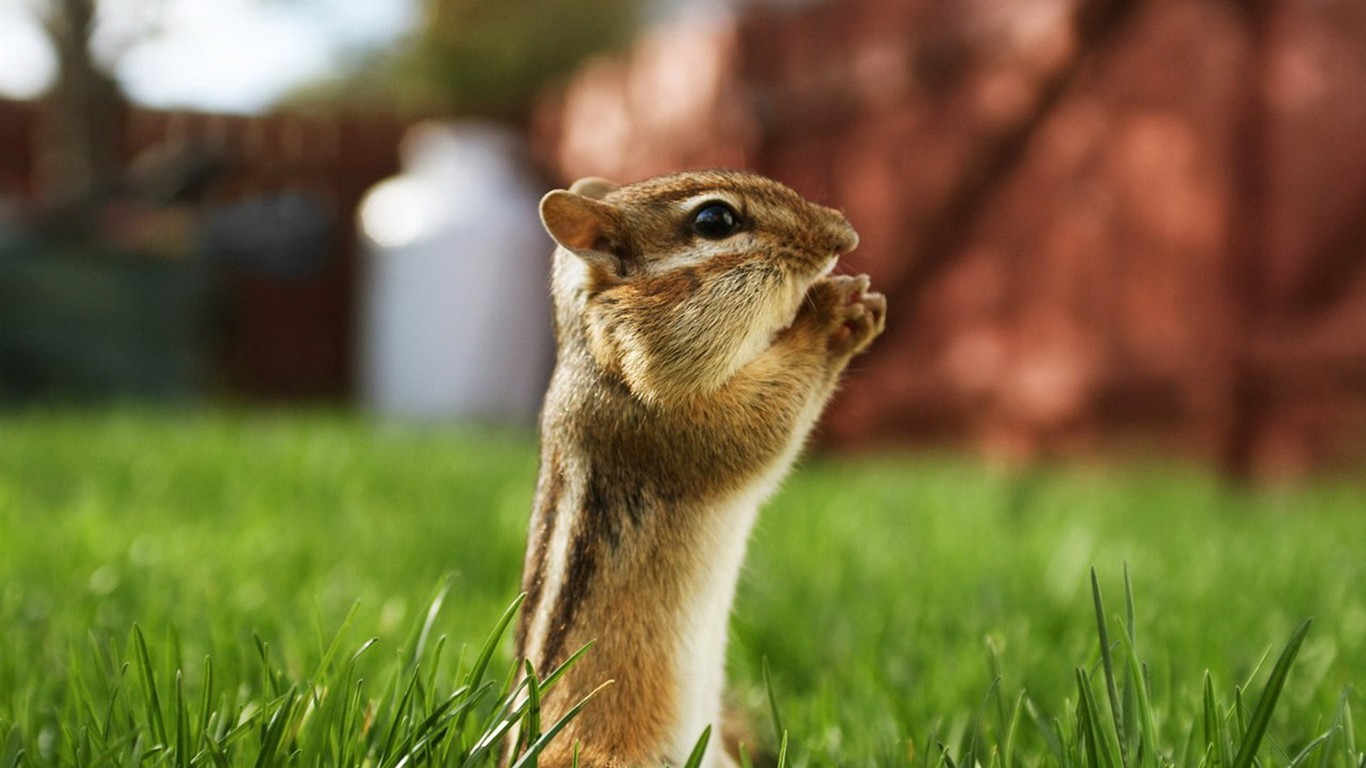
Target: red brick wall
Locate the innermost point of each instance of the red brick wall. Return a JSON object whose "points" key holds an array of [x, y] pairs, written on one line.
{"points": [[1100, 224]]}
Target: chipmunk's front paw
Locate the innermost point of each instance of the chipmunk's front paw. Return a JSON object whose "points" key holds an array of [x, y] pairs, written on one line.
{"points": [[849, 314]]}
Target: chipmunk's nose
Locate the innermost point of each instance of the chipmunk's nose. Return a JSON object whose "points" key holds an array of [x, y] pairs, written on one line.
{"points": [[843, 238]]}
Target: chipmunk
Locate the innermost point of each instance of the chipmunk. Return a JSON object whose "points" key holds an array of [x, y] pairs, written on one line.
{"points": [[700, 334]]}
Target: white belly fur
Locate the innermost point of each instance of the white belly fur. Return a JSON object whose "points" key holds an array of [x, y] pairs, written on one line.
{"points": [[701, 664]]}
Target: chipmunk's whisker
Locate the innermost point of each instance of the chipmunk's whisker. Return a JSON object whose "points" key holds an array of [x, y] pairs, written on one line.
{"points": [[806, 299]]}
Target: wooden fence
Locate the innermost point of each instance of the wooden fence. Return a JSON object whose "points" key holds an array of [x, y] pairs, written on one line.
{"points": [[275, 337]]}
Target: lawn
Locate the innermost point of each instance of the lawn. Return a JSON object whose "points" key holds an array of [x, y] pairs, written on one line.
{"points": [[910, 607]]}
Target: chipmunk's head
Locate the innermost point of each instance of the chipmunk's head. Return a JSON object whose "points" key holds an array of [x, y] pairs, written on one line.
{"points": [[680, 280]]}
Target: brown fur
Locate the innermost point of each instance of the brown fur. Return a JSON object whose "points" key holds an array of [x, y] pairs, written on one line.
{"points": [[689, 373]]}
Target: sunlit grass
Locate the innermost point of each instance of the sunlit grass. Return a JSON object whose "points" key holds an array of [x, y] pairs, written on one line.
{"points": [[269, 571]]}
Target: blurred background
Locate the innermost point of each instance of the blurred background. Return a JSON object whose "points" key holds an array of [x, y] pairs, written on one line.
{"points": [[1106, 227]]}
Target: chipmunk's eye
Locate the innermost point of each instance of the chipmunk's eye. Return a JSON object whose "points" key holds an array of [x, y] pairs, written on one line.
{"points": [[715, 221]]}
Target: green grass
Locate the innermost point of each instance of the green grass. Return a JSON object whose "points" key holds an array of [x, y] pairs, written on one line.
{"points": [[211, 588]]}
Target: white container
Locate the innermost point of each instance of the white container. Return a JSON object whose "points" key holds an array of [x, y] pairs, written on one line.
{"points": [[455, 306]]}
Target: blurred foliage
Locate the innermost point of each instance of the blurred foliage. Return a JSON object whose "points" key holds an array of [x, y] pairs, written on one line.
{"points": [[484, 57]]}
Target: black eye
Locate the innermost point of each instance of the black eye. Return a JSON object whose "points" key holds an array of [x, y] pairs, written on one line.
{"points": [[715, 221]]}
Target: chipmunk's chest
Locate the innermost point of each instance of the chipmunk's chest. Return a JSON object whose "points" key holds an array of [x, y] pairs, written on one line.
{"points": [[688, 452]]}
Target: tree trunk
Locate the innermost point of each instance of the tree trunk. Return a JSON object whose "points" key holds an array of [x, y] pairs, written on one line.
{"points": [[80, 143]]}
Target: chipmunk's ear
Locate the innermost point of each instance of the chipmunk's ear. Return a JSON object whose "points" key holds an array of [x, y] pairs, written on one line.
{"points": [[593, 186], [585, 225]]}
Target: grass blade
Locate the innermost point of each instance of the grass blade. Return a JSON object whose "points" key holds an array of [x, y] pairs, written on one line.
{"points": [[398, 717], [151, 702], [559, 671], [1100, 739], [779, 731], [475, 676], [532, 718], [433, 608], [1144, 718], [418, 741], [528, 758], [182, 723], [699, 750], [1266, 704], [1239, 716], [201, 722], [481, 662], [1216, 746], [338, 638], [1308, 750], [1349, 743], [967, 750], [1008, 752], [1116, 711]]}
